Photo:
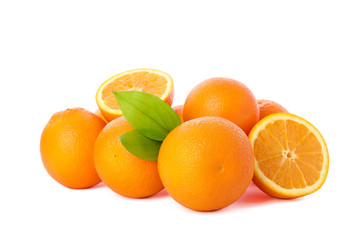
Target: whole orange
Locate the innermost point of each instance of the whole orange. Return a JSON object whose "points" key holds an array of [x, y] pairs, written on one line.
{"points": [[206, 164], [223, 97], [99, 114], [120, 170], [67, 147], [268, 107], [179, 110]]}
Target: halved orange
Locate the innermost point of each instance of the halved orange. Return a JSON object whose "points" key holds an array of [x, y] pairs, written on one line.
{"points": [[151, 81], [291, 156]]}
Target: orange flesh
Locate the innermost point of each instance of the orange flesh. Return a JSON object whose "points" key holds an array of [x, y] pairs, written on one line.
{"points": [[138, 81], [289, 154]]}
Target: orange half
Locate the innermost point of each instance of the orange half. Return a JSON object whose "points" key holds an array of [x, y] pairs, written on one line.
{"points": [[150, 81], [291, 156]]}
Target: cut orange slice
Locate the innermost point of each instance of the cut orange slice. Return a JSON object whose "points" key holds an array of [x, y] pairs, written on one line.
{"points": [[151, 81], [291, 156]]}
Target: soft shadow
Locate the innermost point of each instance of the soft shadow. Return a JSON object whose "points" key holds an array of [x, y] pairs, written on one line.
{"points": [[255, 197], [161, 194], [99, 185]]}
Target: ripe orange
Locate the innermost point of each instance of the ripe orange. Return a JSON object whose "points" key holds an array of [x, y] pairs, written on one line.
{"points": [[223, 97], [151, 81], [67, 147], [99, 114], [268, 107], [291, 156], [179, 111], [206, 164], [120, 170]]}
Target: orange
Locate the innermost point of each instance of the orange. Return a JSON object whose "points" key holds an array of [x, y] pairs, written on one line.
{"points": [[151, 81], [206, 164], [223, 97], [179, 111], [291, 156], [99, 114], [268, 107], [66, 147], [120, 170]]}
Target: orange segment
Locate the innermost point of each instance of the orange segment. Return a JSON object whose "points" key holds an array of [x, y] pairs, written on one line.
{"points": [[291, 156], [151, 81]]}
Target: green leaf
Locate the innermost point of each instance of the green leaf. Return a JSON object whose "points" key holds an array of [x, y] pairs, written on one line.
{"points": [[140, 146], [148, 114]]}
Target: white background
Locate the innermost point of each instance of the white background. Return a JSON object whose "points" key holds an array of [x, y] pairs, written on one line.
{"points": [[53, 56]]}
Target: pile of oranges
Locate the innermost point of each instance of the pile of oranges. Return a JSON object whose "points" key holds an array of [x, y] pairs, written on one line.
{"points": [[226, 140]]}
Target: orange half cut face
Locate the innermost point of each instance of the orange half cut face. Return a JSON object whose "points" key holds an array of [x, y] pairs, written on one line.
{"points": [[150, 81], [291, 156]]}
